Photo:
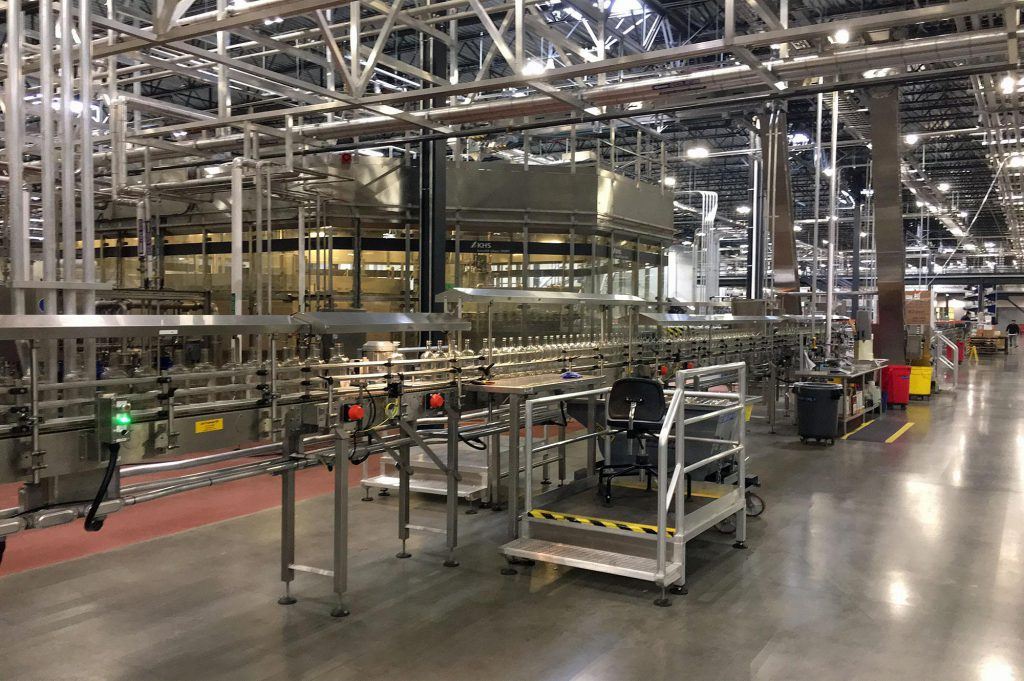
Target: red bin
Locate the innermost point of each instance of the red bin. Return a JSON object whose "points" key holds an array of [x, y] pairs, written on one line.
{"points": [[961, 350], [896, 383]]}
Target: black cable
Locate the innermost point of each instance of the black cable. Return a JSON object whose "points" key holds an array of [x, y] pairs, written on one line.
{"points": [[92, 524], [479, 446]]}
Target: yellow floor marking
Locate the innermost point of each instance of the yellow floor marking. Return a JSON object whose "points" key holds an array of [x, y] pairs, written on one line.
{"points": [[698, 488], [895, 436], [863, 425]]}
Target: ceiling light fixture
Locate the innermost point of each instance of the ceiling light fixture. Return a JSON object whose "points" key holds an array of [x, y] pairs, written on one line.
{"points": [[943, 187], [841, 37], [743, 210], [699, 151], [911, 139], [534, 67]]}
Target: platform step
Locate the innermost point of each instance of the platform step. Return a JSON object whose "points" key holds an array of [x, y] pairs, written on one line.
{"points": [[596, 560], [425, 486]]}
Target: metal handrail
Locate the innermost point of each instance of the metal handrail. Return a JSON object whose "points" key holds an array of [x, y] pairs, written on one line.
{"points": [[675, 417], [673, 429], [938, 357]]}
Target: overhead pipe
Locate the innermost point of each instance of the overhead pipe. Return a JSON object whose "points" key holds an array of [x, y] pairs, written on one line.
{"points": [[987, 44], [88, 216], [14, 123], [49, 175], [237, 196], [833, 228], [67, 182]]}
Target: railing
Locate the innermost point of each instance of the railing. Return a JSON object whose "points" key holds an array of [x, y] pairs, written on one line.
{"points": [[531, 405], [943, 364], [673, 490], [670, 485]]}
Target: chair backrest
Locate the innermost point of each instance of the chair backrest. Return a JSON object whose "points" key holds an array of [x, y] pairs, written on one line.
{"points": [[644, 397]]}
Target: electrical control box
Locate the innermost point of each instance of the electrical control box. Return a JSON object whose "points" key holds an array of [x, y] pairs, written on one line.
{"points": [[113, 419]]}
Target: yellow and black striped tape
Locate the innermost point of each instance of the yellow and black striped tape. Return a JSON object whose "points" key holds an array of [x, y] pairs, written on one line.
{"points": [[599, 522]]}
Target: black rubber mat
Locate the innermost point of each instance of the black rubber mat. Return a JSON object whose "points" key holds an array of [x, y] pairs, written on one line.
{"points": [[885, 429]]}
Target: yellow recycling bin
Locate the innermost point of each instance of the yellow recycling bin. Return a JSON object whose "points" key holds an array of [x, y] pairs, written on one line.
{"points": [[921, 381]]}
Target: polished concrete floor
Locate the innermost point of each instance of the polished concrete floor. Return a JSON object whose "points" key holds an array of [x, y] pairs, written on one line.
{"points": [[872, 561]]}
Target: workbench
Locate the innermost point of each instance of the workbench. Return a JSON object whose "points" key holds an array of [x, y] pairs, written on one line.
{"points": [[518, 389], [856, 377]]}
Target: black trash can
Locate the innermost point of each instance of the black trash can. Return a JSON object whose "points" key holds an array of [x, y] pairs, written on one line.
{"points": [[817, 411]]}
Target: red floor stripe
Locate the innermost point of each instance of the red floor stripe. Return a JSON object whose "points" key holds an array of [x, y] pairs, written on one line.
{"points": [[37, 548]]}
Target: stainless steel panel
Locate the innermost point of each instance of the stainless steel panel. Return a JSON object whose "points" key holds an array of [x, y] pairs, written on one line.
{"points": [[668, 319], [624, 200], [500, 295], [380, 322], [29, 327], [505, 187], [778, 207]]}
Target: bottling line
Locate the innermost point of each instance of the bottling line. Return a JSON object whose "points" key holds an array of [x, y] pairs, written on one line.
{"points": [[275, 394]]}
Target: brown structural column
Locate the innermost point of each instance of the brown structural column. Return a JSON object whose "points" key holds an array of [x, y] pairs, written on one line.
{"points": [[778, 207], [890, 333]]}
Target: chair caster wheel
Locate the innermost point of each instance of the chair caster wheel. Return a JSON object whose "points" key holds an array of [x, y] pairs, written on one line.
{"points": [[678, 589], [286, 600], [340, 612]]}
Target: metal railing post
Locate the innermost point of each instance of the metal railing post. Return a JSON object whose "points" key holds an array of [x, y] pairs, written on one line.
{"points": [[524, 529]]}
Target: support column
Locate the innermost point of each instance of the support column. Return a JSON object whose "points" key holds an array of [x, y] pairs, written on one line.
{"points": [[890, 250], [433, 225], [755, 237]]}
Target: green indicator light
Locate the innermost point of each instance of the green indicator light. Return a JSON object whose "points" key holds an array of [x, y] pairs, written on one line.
{"points": [[123, 419]]}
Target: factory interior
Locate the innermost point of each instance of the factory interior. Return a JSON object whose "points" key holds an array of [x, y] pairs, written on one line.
{"points": [[547, 340]]}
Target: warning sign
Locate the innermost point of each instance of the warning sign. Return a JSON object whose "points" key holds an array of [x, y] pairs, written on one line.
{"points": [[209, 425]]}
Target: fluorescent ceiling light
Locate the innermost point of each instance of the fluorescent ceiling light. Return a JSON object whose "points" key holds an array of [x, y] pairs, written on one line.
{"points": [[699, 151], [841, 37], [911, 139], [800, 138], [743, 210], [534, 67], [943, 187], [669, 181]]}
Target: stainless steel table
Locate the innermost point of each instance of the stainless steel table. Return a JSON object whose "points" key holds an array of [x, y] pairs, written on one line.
{"points": [[856, 375], [518, 389]]}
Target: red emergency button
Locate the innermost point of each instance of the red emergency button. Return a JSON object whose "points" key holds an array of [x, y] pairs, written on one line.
{"points": [[353, 412], [436, 401], [663, 370]]}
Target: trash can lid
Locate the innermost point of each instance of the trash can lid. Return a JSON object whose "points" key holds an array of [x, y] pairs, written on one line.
{"points": [[815, 385]]}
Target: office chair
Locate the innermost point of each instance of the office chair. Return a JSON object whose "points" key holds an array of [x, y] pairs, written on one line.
{"points": [[637, 407]]}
